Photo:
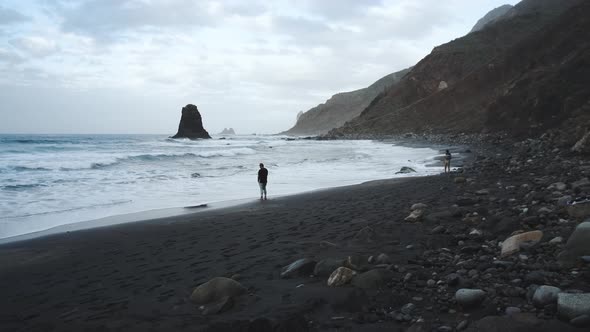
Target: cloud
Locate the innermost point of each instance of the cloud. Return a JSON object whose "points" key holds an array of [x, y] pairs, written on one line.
{"points": [[35, 46], [11, 16], [106, 18], [9, 57]]}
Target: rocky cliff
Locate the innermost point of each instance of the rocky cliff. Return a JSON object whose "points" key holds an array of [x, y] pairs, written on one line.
{"points": [[191, 124], [491, 17], [524, 74], [341, 107]]}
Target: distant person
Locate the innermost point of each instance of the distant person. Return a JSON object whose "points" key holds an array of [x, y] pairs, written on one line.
{"points": [[262, 179], [447, 161]]}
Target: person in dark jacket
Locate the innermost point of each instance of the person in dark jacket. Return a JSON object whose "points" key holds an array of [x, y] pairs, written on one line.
{"points": [[447, 161], [262, 179]]}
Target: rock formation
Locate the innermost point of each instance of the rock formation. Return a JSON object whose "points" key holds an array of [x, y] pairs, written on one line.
{"points": [[191, 124], [524, 75], [227, 131], [341, 108]]}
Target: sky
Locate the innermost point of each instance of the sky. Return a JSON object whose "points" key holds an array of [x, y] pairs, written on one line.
{"points": [[129, 66]]}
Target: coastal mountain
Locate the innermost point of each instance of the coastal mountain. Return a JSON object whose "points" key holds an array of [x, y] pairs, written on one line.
{"points": [[227, 131], [191, 124], [523, 74], [492, 16], [341, 107]]}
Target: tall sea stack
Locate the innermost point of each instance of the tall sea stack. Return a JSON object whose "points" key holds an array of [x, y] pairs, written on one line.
{"points": [[191, 124]]}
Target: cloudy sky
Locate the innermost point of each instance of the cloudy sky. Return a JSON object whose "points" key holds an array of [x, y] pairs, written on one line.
{"points": [[128, 66]]}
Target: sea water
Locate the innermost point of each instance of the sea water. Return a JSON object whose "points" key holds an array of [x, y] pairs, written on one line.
{"points": [[52, 180]]}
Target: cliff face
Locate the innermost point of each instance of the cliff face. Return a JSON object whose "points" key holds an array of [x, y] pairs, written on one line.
{"points": [[191, 124], [340, 108], [523, 74]]}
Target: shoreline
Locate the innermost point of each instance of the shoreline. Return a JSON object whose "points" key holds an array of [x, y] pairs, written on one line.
{"points": [[178, 211]]}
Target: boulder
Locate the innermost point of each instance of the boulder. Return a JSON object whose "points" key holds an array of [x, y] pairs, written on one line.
{"points": [[376, 278], [340, 276], [191, 124], [581, 321], [215, 290], [459, 180], [419, 206], [416, 215], [570, 306], [559, 186], [223, 304], [470, 298], [514, 243], [383, 259], [579, 209], [300, 267], [577, 245], [545, 295], [406, 170], [325, 267]]}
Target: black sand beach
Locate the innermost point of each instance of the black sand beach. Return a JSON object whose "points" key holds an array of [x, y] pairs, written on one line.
{"points": [[139, 276]]}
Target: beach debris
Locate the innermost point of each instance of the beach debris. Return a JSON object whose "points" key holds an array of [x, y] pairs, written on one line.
{"points": [[577, 245], [470, 298], [365, 235], [216, 295], [195, 175], [303, 266], [570, 305], [340, 276], [545, 295], [376, 278], [416, 215], [514, 243], [405, 170], [325, 267]]}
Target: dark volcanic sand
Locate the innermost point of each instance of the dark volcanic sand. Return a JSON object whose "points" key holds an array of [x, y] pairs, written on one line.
{"points": [[138, 277]]}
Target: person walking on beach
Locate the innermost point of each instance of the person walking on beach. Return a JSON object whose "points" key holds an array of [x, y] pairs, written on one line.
{"points": [[262, 179], [447, 162]]}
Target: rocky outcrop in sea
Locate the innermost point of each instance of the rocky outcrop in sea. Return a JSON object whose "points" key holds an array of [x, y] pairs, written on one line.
{"points": [[191, 124]]}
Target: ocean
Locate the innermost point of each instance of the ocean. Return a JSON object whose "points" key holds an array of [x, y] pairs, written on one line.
{"points": [[53, 180]]}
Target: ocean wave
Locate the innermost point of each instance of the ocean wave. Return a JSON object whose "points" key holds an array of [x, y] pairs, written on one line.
{"points": [[17, 187], [163, 156], [27, 169], [71, 209]]}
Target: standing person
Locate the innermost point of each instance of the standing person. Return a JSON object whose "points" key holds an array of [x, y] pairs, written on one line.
{"points": [[447, 162], [262, 179]]}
